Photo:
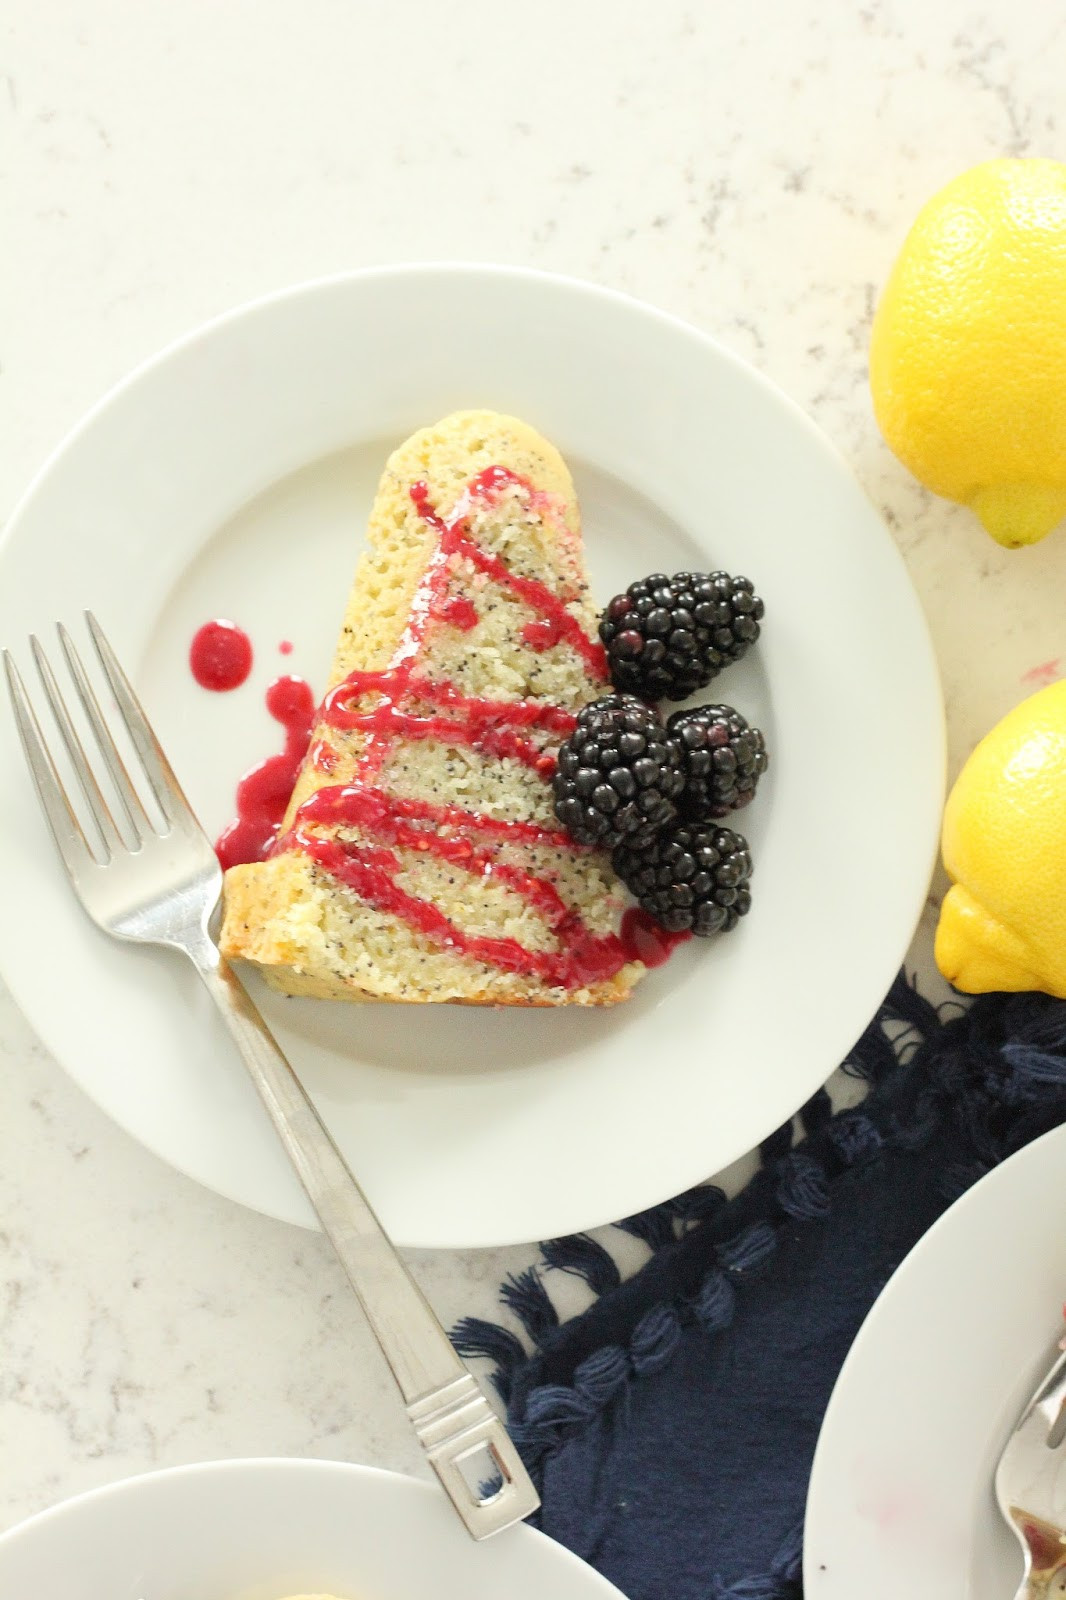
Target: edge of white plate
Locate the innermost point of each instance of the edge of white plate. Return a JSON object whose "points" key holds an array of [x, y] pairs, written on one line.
{"points": [[882, 1307], [305, 1466], [584, 287]]}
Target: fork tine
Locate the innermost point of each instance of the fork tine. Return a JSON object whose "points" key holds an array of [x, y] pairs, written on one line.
{"points": [[94, 799], [66, 829], [131, 802], [1051, 1395], [159, 772]]}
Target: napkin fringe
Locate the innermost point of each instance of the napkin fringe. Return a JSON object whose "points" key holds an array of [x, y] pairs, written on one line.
{"points": [[583, 1257]]}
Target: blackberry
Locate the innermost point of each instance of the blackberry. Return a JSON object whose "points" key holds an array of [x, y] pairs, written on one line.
{"points": [[724, 760], [667, 637], [691, 877], [618, 774]]}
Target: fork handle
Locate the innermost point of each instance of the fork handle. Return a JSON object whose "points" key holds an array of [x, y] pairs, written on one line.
{"points": [[455, 1424]]}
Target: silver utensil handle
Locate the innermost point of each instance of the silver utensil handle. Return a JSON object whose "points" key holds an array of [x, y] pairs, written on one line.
{"points": [[463, 1438]]}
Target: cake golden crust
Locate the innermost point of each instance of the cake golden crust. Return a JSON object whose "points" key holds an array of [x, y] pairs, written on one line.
{"points": [[310, 934]]}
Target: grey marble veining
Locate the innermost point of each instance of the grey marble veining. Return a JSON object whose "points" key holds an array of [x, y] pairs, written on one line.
{"points": [[752, 168]]}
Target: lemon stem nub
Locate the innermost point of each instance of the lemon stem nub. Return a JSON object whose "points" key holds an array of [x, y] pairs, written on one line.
{"points": [[1017, 514]]}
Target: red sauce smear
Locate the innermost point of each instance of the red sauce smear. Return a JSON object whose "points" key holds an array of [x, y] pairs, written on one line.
{"points": [[460, 612], [322, 756], [647, 940], [1044, 673], [264, 793], [220, 655], [406, 704], [542, 634], [1044, 1541]]}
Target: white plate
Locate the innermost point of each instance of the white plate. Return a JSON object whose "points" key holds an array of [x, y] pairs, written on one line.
{"points": [[901, 1500], [265, 1530], [232, 476]]}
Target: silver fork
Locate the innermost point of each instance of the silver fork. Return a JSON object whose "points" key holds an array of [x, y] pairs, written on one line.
{"points": [[1031, 1486], [160, 884]]}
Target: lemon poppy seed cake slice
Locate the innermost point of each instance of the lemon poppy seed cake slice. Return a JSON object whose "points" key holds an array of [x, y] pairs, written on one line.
{"points": [[420, 858]]}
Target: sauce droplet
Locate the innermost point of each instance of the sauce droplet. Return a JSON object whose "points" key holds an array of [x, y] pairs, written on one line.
{"points": [[220, 656], [285, 647]]}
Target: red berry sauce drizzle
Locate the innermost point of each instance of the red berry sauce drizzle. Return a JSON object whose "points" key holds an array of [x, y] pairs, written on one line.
{"points": [[264, 793], [410, 706]]}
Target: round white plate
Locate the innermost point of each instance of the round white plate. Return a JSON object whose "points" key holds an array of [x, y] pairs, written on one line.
{"points": [[266, 1530], [232, 477], [901, 1500]]}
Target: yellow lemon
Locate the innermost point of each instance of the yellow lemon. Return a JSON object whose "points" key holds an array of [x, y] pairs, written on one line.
{"points": [[1003, 923], [968, 350]]}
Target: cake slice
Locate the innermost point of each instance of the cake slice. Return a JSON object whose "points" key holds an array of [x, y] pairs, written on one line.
{"points": [[420, 859]]}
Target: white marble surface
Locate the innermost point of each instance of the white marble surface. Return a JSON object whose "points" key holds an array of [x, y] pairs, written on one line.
{"points": [[752, 168]]}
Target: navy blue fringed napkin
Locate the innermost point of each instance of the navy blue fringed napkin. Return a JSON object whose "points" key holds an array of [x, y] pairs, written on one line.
{"points": [[671, 1427]]}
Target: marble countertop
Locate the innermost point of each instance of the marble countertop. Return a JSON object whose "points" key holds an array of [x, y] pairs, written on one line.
{"points": [[751, 168]]}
